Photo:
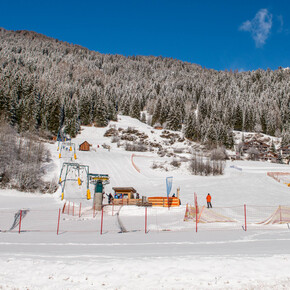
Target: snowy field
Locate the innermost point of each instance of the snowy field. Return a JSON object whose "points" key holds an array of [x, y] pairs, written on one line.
{"points": [[171, 255]]}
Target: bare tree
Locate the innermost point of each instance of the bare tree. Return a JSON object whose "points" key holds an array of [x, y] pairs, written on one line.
{"points": [[21, 161]]}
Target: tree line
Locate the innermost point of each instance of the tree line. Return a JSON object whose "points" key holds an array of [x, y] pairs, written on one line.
{"points": [[47, 84]]}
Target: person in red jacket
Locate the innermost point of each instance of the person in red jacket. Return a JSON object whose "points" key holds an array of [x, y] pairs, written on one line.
{"points": [[208, 200]]}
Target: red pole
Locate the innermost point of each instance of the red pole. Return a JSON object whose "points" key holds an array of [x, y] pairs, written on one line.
{"points": [[73, 209], [63, 207], [245, 211], [145, 220], [58, 222], [20, 221], [80, 210], [68, 207], [102, 221], [196, 218]]}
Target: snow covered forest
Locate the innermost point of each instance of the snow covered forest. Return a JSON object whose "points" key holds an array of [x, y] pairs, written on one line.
{"points": [[46, 84]]}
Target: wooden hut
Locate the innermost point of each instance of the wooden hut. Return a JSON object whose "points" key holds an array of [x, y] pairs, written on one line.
{"points": [[125, 192], [125, 196], [85, 146]]}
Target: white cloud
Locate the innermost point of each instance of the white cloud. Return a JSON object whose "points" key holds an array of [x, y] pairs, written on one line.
{"points": [[280, 19], [259, 27]]}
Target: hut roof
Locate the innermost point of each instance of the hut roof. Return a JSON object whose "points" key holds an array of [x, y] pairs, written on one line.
{"points": [[85, 143], [124, 189]]}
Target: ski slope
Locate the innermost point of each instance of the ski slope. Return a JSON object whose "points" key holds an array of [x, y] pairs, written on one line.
{"points": [[219, 258], [251, 185]]}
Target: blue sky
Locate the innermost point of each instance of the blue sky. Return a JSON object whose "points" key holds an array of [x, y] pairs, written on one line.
{"points": [[236, 34]]}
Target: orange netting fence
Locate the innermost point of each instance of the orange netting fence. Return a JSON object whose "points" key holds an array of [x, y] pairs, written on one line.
{"points": [[282, 177], [246, 216], [121, 219]]}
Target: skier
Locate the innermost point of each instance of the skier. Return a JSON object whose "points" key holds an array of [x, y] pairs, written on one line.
{"points": [[110, 197], [208, 200]]}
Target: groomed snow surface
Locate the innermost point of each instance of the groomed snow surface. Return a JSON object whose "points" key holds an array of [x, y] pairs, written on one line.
{"points": [[171, 255]]}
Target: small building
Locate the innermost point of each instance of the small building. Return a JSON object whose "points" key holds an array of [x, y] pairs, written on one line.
{"points": [[124, 192], [285, 151], [125, 196], [259, 145], [85, 146], [269, 156]]}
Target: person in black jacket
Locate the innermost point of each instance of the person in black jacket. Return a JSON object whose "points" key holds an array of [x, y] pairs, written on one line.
{"points": [[110, 198]]}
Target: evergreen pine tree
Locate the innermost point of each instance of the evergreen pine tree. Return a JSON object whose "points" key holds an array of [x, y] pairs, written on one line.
{"points": [[165, 111], [37, 114], [202, 108], [112, 113], [52, 114], [85, 110], [101, 117], [27, 120], [135, 109], [263, 122], [71, 118], [157, 112], [13, 114], [174, 119], [190, 127], [211, 134], [249, 120], [238, 124], [125, 107], [273, 148], [230, 141]]}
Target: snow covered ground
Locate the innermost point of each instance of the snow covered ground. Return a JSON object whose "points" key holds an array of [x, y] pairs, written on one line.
{"points": [[216, 257]]}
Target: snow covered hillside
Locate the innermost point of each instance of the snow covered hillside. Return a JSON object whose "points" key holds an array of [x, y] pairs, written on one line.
{"points": [[247, 184], [171, 255]]}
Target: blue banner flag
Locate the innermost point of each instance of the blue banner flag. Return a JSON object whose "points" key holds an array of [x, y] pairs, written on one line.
{"points": [[168, 184]]}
